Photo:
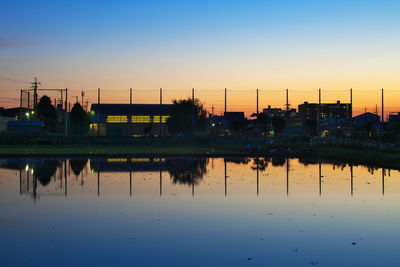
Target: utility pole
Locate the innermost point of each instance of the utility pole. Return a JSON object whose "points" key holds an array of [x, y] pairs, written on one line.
{"points": [[130, 96], [35, 85], [82, 94], [212, 111]]}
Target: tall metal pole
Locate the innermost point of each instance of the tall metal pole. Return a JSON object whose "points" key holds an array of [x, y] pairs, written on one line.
{"points": [[193, 113], [160, 112], [257, 112], [319, 105], [225, 103], [287, 99], [66, 111], [20, 105], [383, 111], [257, 103], [351, 102], [130, 112], [98, 111]]}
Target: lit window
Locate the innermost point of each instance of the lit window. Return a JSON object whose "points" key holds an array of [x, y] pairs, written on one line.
{"points": [[141, 119], [117, 119], [117, 160], [156, 119]]}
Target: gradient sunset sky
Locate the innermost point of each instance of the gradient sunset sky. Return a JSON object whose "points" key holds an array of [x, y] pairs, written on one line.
{"points": [[209, 45]]}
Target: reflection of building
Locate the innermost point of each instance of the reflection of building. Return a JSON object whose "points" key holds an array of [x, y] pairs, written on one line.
{"points": [[326, 110], [129, 119], [128, 164]]}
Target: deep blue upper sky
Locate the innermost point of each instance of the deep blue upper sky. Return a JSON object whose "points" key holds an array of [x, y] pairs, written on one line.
{"points": [[202, 44]]}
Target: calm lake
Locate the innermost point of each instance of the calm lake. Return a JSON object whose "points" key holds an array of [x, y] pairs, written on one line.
{"points": [[197, 211]]}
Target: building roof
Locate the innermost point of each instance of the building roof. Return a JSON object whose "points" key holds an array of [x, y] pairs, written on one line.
{"points": [[134, 109], [26, 123]]}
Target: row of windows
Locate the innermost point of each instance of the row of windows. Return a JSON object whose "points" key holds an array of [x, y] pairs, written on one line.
{"points": [[136, 119]]}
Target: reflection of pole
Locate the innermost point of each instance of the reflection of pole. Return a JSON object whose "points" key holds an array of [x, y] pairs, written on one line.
{"points": [[320, 186], [351, 179], [160, 182], [383, 181], [258, 176], [192, 187], [20, 181], [130, 182], [65, 176], [287, 176], [225, 176], [98, 180]]}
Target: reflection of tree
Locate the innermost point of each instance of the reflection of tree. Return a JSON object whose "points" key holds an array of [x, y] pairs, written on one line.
{"points": [[43, 172], [77, 165], [187, 171], [261, 162], [237, 160], [278, 161]]}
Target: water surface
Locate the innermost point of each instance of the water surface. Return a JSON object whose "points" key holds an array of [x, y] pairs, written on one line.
{"points": [[197, 211]]}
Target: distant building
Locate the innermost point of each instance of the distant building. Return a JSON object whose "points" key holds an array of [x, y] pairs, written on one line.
{"points": [[129, 119], [326, 110], [366, 119], [234, 116], [26, 127], [273, 112], [394, 118]]}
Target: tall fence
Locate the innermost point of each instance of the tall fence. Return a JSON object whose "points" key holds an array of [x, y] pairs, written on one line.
{"points": [[216, 100]]}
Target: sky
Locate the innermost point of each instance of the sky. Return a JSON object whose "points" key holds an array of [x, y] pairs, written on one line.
{"points": [[206, 45]]}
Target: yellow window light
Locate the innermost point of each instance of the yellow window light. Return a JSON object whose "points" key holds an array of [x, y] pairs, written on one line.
{"points": [[117, 119], [141, 119], [156, 119]]}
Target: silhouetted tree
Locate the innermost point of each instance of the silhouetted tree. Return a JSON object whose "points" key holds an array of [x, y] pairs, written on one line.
{"points": [[47, 112], [80, 121], [187, 116], [278, 161], [187, 171]]}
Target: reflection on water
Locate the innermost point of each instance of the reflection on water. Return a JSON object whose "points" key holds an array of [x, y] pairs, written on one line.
{"points": [[185, 171], [228, 208]]}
